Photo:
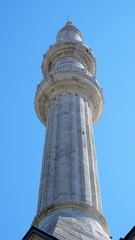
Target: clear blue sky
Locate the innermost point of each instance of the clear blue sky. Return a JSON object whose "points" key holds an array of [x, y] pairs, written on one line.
{"points": [[27, 29]]}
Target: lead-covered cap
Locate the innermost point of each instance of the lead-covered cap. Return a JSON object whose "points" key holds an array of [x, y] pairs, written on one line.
{"points": [[69, 33]]}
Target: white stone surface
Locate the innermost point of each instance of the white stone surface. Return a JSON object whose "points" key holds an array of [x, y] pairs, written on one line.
{"points": [[69, 101], [73, 222], [69, 163]]}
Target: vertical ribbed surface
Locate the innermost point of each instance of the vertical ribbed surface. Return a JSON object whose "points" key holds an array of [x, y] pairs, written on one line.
{"points": [[69, 171], [74, 149], [93, 170]]}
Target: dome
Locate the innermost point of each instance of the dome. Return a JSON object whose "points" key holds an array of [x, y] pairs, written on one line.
{"points": [[69, 33]]}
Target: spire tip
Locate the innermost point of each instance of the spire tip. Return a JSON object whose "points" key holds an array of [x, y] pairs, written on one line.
{"points": [[69, 22]]}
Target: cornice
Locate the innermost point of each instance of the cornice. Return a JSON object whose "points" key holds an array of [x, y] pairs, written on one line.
{"points": [[68, 82], [73, 49], [79, 206]]}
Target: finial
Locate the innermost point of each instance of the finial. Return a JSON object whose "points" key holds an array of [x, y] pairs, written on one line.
{"points": [[69, 22]]}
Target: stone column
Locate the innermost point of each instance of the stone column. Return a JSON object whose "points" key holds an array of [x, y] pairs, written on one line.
{"points": [[69, 101], [69, 171]]}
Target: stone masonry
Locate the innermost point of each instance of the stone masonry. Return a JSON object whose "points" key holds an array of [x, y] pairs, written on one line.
{"points": [[68, 102]]}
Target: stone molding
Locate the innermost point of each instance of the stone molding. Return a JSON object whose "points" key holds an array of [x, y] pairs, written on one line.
{"points": [[71, 41], [72, 49], [68, 82], [84, 207], [68, 68]]}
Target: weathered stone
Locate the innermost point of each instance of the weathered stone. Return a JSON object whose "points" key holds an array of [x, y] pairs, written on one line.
{"points": [[69, 101]]}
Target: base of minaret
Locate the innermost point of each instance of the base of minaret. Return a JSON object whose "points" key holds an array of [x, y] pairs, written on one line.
{"points": [[73, 221]]}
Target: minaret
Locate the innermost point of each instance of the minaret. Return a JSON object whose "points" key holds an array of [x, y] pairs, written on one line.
{"points": [[69, 101]]}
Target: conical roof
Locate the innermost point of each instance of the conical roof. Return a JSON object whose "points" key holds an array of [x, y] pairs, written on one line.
{"points": [[69, 33]]}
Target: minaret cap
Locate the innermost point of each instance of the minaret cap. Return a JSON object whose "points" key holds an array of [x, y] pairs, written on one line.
{"points": [[69, 33]]}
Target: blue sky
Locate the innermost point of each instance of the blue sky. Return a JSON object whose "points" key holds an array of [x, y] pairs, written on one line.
{"points": [[27, 30]]}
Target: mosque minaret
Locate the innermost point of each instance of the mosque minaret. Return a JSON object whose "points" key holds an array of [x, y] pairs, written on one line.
{"points": [[69, 101]]}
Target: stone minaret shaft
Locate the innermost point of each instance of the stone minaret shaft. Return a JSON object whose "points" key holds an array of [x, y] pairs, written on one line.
{"points": [[69, 171], [69, 101]]}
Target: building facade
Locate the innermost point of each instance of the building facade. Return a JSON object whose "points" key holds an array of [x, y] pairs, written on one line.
{"points": [[69, 101]]}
